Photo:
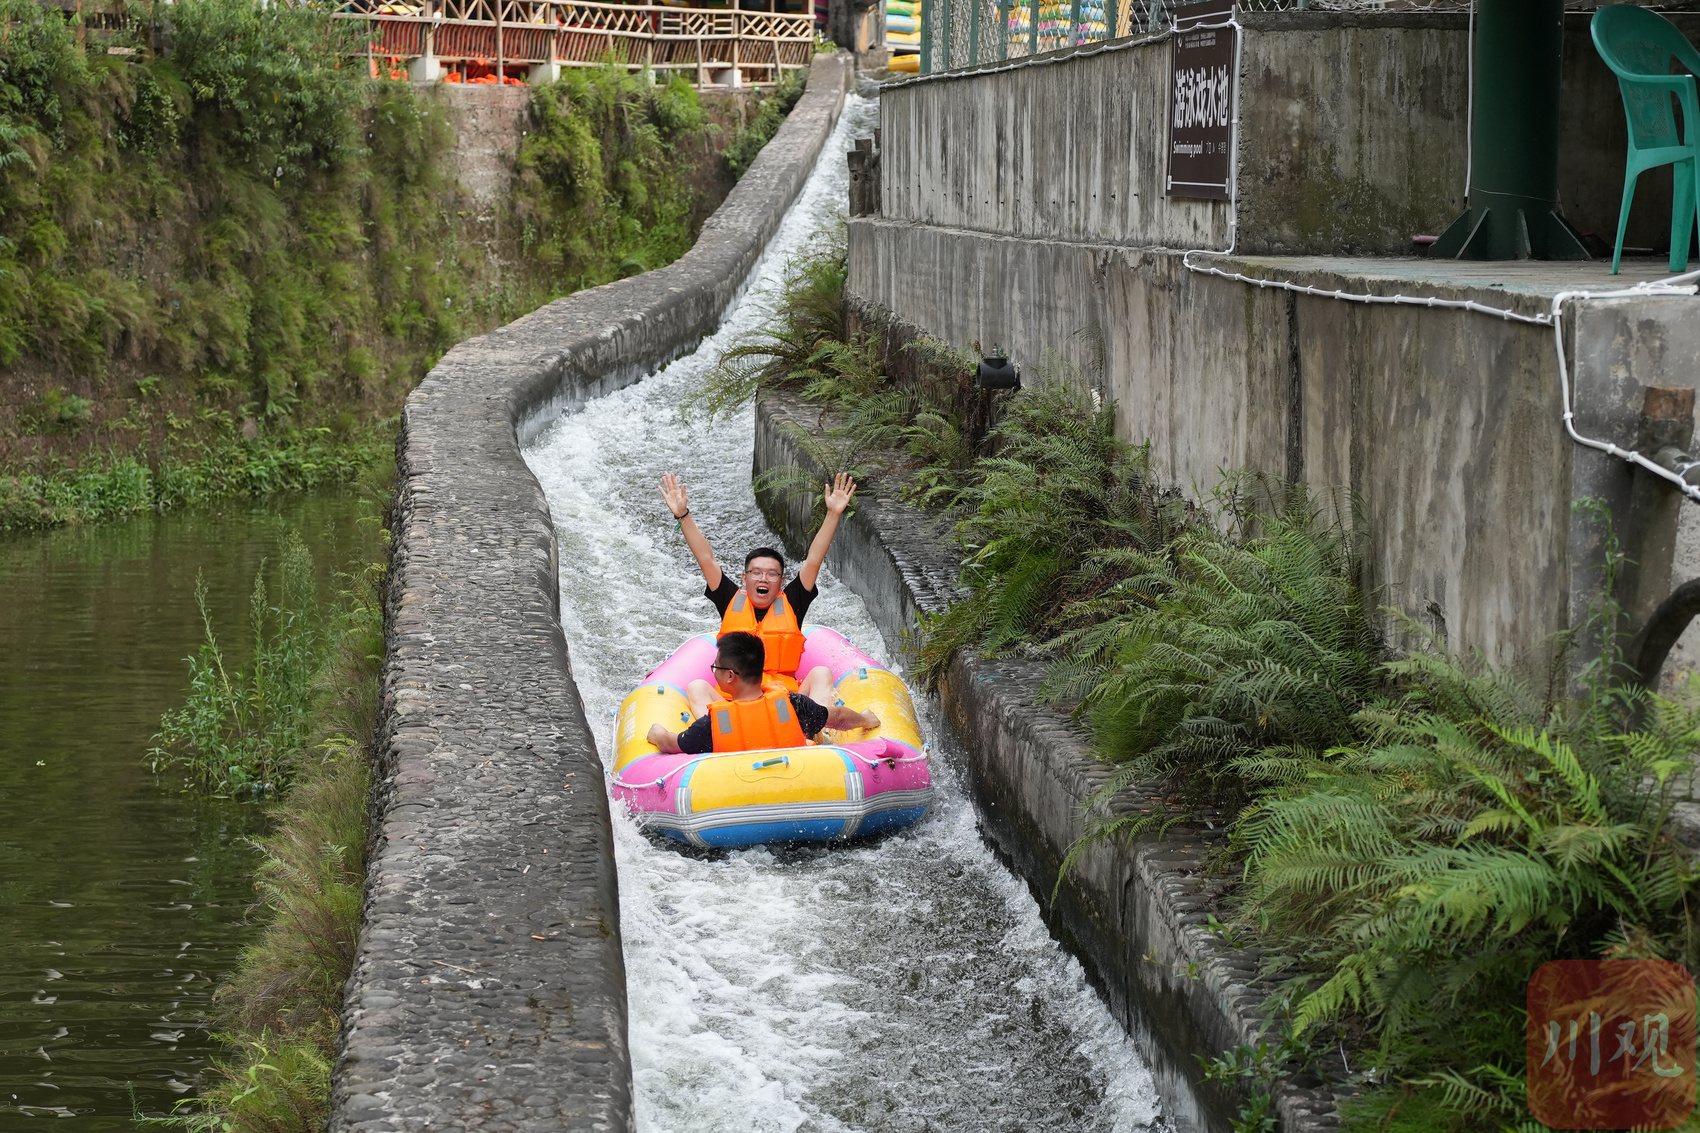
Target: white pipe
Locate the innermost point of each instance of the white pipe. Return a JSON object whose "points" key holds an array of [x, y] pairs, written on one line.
{"points": [[1676, 285]]}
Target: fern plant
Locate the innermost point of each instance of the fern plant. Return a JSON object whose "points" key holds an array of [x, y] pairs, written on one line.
{"points": [[1473, 832], [1218, 664], [1052, 520]]}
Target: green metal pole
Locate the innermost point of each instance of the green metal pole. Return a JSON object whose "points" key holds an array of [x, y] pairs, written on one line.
{"points": [[1512, 213], [945, 19], [1033, 28], [1003, 29], [1112, 16], [1074, 24], [974, 32], [926, 37]]}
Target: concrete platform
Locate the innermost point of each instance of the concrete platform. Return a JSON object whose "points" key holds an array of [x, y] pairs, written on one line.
{"points": [[1537, 278]]}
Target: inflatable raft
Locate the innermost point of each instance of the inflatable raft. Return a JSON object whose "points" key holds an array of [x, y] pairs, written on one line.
{"points": [[844, 785]]}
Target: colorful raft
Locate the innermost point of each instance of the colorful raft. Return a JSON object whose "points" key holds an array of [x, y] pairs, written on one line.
{"points": [[846, 785]]}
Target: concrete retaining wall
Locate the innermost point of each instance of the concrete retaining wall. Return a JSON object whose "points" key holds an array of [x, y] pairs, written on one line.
{"points": [[1135, 916], [489, 989], [1351, 140], [1444, 424]]}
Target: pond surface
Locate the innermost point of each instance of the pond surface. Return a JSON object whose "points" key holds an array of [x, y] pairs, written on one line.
{"points": [[123, 901]]}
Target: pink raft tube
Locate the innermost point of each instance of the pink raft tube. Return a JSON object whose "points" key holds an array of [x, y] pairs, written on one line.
{"points": [[844, 785]]}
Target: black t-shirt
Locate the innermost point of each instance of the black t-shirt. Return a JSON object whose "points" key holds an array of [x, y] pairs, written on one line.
{"points": [[811, 717], [796, 594]]}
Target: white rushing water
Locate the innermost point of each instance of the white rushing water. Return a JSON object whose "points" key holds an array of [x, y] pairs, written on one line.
{"points": [[901, 985]]}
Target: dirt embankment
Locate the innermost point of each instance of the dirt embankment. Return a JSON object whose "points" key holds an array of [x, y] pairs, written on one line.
{"points": [[241, 309]]}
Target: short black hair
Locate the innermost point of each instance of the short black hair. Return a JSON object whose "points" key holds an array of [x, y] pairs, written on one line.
{"points": [[743, 653], [765, 553]]}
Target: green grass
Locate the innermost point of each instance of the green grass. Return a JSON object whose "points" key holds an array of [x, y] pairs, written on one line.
{"points": [[301, 725], [194, 472]]}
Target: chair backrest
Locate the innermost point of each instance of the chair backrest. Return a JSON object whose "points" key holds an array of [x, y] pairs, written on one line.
{"points": [[1636, 43]]}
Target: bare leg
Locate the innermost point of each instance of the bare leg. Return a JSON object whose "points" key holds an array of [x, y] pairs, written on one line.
{"points": [[699, 695], [817, 686]]}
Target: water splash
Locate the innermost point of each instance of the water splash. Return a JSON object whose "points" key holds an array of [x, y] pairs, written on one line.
{"points": [[902, 985]]}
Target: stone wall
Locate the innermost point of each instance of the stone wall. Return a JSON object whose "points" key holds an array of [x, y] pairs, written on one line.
{"points": [[488, 123], [489, 989], [1135, 915]]}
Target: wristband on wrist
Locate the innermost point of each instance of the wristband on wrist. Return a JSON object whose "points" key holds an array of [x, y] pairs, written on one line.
{"points": [[679, 520]]}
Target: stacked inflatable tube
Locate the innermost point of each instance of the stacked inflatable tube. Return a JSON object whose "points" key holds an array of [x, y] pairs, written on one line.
{"points": [[846, 785]]}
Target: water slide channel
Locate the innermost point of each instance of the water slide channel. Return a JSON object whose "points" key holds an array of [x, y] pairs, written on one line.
{"points": [[901, 985]]}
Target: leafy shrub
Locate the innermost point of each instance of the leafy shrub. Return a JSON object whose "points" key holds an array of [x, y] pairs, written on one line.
{"points": [[63, 411], [1223, 661], [1468, 833], [265, 83], [748, 140], [235, 731], [1061, 513], [599, 193]]}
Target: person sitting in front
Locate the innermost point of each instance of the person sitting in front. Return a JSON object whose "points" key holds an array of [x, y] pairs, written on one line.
{"points": [[761, 606], [749, 717]]}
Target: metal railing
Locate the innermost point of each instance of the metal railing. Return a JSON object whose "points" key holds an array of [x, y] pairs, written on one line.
{"points": [[508, 34]]}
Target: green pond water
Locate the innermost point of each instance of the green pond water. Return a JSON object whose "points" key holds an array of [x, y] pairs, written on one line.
{"points": [[123, 900]]}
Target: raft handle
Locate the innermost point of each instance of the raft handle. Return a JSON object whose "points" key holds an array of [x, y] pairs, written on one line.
{"points": [[776, 760]]}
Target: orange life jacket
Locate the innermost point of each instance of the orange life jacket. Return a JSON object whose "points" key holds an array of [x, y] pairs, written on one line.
{"points": [[755, 725], [780, 635]]}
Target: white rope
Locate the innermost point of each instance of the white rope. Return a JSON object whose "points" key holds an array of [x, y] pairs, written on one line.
{"points": [[1675, 285], [1365, 297]]}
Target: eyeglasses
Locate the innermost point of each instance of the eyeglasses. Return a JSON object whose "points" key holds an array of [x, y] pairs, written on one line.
{"points": [[764, 574], [723, 669]]}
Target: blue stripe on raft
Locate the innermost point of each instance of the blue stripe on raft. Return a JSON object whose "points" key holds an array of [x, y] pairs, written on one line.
{"points": [[856, 671], [755, 833], [813, 830], [881, 821]]}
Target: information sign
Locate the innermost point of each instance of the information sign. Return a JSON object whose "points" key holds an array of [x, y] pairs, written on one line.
{"points": [[1201, 101]]}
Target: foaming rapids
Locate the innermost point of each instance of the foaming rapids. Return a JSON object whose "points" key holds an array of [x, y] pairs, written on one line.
{"points": [[902, 985]]}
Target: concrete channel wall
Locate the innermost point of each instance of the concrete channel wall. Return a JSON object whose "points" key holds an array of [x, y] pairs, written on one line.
{"points": [[1135, 916], [489, 991]]}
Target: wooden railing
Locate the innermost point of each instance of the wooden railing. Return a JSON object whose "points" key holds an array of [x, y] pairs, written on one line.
{"points": [[513, 35]]}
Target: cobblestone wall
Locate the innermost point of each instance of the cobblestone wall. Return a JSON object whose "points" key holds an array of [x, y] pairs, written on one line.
{"points": [[489, 991]]}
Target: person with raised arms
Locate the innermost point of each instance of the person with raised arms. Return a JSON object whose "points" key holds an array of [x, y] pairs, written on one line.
{"points": [[765, 605]]}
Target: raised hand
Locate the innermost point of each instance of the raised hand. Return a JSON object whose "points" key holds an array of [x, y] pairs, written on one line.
{"points": [[838, 493], [673, 491]]}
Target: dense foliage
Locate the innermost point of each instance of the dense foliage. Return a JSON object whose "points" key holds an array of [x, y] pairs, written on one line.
{"points": [[229, 248], [598, 198], [748, 140]]}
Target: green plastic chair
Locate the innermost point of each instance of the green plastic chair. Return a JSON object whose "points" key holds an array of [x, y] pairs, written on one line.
{"points": [[1640, 46]]}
